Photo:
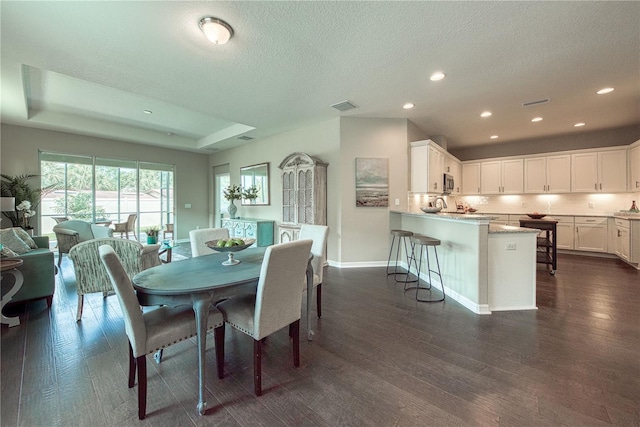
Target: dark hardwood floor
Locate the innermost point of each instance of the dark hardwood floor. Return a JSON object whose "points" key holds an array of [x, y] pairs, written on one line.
{"points": [[379, 358]]}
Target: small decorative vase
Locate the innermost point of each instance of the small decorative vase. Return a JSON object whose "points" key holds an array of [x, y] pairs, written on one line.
{"points": [[152, 240], [232, 209]]}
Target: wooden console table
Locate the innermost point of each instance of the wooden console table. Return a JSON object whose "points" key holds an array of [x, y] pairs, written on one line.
{"points": [[10, 266]]}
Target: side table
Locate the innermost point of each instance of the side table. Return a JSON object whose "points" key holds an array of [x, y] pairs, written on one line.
{"points": [[168, 249], [10, 266]]}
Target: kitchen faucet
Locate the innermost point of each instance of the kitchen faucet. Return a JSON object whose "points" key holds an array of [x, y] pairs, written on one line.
{"points": [[443, 203]]}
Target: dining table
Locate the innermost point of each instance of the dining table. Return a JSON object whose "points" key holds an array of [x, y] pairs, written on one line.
{"points": [[202, 281]]}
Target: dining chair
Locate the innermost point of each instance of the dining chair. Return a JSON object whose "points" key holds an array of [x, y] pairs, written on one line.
{"points": [[276, 304], [90, 274], [152, 330], [199, 237], [168, 230], [59, 219], [128, 226], [317, 233]]}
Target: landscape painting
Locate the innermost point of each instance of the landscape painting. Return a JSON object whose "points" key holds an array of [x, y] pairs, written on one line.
{"points": [[372, 182]]}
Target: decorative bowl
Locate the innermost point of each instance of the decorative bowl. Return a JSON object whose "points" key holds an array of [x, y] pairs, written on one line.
{"points": [[212, 244], [472, 210], [536, 216], [427, 209]]}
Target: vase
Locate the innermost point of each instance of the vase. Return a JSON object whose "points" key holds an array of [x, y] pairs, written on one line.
{"points": [[232, 209], [152, 240]]}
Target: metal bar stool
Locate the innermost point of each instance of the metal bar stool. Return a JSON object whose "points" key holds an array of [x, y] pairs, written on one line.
{"points": [[424, 242], [402, 236]]}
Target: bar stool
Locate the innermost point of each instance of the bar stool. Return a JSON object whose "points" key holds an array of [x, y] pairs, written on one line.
{"points": [[402, 236], [424, 242]]}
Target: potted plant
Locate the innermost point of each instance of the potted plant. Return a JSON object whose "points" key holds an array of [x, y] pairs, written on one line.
{"points": [[152, 234], [250, 194], [231, 193], [27, 198]]}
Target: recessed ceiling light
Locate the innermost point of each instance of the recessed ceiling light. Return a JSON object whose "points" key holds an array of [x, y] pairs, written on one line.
{"points": [[438, 75], [486, 114], [494, 137], [579, 124], [605, 90], [536, 119], [408, 106], [147, 111]]}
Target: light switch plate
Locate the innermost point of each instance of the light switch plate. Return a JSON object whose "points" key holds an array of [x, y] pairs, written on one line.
{"points": [[397, 202], [187, 205]]}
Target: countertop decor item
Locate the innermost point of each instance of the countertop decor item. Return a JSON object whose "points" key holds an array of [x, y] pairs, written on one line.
{"points": [[213, 244], [536, 216], [430, 209]]}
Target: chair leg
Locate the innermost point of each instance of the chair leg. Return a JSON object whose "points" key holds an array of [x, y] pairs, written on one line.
{"points": [[319, 300], [257, 366], [142, 386], [59, 257], [218, 335], [296, 343], [49, 301], [80, 305], [132, 367]]}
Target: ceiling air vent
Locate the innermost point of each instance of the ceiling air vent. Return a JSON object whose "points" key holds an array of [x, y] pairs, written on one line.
{"points": [[538, 102], [245, 138], [344, 106]]}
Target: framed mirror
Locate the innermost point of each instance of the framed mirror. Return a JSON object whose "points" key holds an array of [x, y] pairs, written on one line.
{"points": [[255, 176]]}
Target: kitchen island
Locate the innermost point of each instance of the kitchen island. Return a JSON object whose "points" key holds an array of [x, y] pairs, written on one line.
{"points": [[485, 267]]}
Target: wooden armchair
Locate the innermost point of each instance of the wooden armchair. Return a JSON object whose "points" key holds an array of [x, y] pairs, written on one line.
{"points": [[168, 230], [70, 233], [126, 227]]}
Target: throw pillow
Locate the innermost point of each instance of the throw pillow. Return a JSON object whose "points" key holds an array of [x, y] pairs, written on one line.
{"points": [[6, 252], [25, 237], [10, 239]]}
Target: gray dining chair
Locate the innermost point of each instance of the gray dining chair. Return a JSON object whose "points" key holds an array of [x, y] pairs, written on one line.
{"points": [[318, 234], [276, 304], [155, 329], [199, 237]]}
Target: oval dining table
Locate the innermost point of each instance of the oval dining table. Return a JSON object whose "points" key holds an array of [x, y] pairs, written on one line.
{"points": [[201, 281]]}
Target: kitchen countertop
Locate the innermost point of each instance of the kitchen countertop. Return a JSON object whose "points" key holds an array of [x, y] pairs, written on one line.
{"points": [[497, 228]]}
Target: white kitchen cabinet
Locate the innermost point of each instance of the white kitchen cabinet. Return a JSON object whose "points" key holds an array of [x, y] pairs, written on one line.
{"points": [[454, 168], [602, 171], [634, 165], [471, 178], [502, 176], [591, 234], [548, 174], [565, 232], [622, 238], [427, 167]]}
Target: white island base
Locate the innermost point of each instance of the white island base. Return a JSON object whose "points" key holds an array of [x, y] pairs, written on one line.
{"points": [[484, 267]]}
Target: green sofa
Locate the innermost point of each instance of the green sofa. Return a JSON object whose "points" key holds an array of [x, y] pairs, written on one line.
{"points": [[39, 272]]}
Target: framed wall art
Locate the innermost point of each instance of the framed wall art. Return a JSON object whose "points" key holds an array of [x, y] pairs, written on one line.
{"points": [[372, 182]]}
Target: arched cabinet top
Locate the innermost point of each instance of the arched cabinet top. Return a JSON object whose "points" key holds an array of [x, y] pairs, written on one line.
{"points": [[296, 159]]}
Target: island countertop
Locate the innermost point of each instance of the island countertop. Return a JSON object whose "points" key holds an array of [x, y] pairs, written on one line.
{"points": [[449, 216]]}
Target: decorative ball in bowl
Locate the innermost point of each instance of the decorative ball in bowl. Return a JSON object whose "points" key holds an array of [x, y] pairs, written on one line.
{"points": [[536, 215], [230, 245], [430, 209]]}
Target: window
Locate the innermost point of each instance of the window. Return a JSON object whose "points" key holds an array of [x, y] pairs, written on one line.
{"points": [[98, 189]]}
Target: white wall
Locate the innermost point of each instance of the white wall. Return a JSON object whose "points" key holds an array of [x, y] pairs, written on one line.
{"points": [[19, 147]]}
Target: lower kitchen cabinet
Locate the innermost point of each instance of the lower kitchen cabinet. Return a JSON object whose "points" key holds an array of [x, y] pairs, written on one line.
{"points": [[591, 234], [566, 232]]}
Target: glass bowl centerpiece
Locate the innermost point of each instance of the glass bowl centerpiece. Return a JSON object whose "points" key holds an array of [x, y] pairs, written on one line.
{"points": [[231, 245]]}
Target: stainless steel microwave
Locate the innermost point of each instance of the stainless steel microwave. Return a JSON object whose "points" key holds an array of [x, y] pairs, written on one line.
{"points": [[448, 184]]}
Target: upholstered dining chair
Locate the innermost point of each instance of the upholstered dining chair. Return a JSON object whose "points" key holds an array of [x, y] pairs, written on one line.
{"points": [[151, 330], [199, 237], [276, 304], [70, 233], [125, 227], [317, 233], [90, 274]]}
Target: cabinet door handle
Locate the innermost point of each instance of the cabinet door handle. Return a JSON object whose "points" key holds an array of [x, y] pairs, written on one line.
{"points": [[619, 233], [601, 186], [596, 185], [637, 184]]}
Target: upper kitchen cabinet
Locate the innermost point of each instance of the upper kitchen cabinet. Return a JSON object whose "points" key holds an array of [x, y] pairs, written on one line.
{"points": [[471, 178], [502, 177], [427, 167], [599, 171], [548, 174], [634, 165]]}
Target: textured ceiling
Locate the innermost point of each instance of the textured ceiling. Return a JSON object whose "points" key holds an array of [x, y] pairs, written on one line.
{"points": [[92, 67]]}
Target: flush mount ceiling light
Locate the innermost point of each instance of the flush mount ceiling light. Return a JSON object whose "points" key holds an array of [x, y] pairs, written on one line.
{"points": [[438, 75], [408, 106], [486, 114], [216, 30]]}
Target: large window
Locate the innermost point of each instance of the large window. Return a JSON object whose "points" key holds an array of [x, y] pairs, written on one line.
{"points": [[99, 189]]}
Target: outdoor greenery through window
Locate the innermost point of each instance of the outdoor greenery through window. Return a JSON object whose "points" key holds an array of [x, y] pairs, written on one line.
{"points": [[102, 190]]}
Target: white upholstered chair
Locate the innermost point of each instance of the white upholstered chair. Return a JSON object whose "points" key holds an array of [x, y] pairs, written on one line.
{"points": [[198, 238], [90, 274], [276, 304], [317, 233], [152, 330], [70, 233]]}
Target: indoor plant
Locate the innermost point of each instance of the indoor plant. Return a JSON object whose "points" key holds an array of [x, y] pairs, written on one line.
{"points": [[27, 198], [231, 193], [152, 234]]}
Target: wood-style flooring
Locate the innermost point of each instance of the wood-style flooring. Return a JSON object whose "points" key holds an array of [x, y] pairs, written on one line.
{"points": [[379, 358]]}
